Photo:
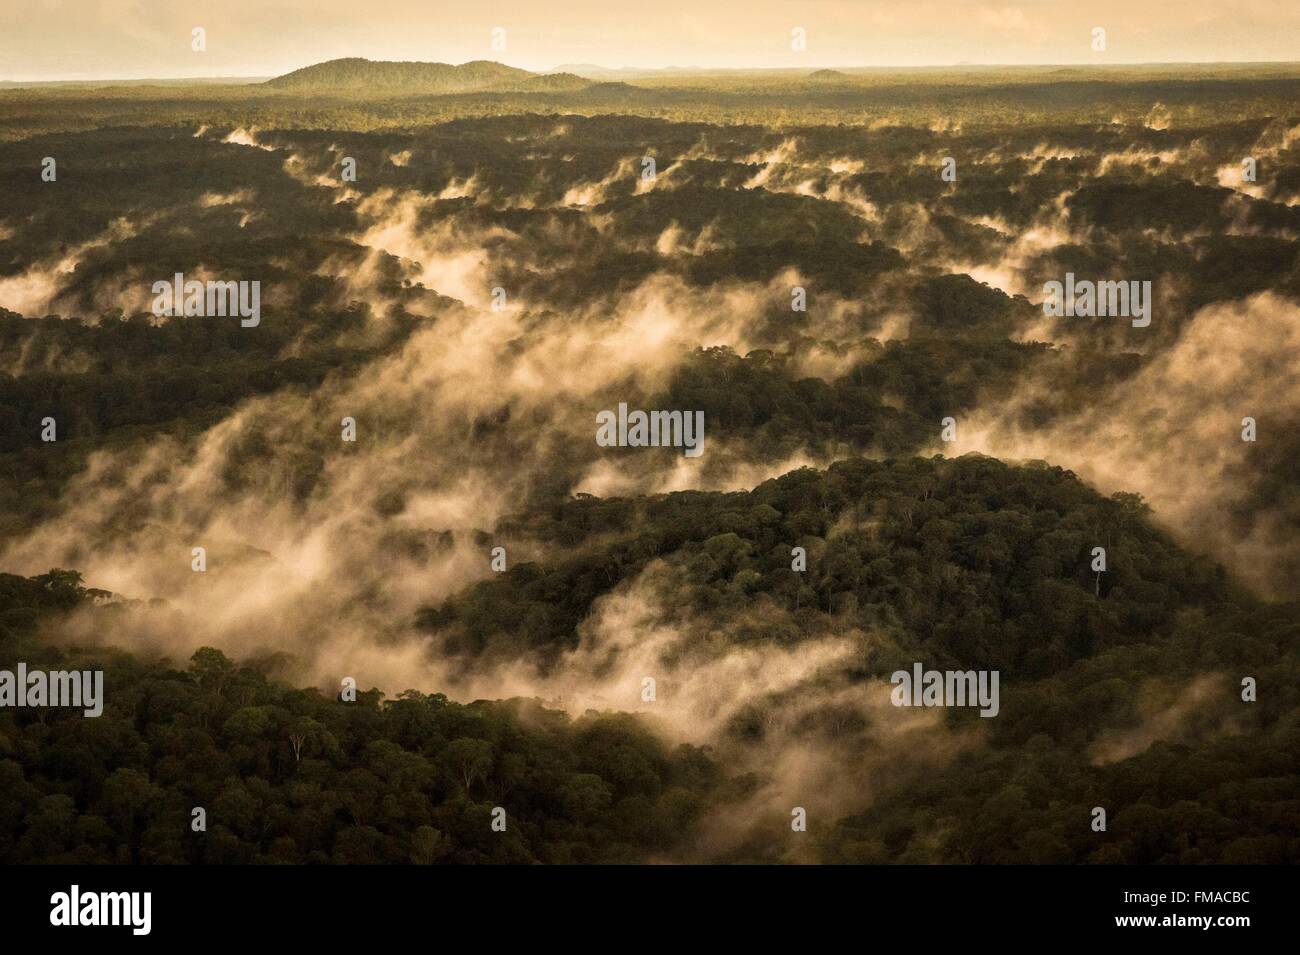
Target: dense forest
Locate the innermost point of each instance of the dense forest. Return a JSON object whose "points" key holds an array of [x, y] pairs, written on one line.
{"points": [[340, 99], [393, 477], [984, 567], [289, 776]]}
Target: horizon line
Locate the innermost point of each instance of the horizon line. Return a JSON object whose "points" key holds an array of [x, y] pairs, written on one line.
{"points": [[569, 67]]}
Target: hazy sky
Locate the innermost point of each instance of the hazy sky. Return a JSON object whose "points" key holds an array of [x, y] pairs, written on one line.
{"points": [[73, 39]]}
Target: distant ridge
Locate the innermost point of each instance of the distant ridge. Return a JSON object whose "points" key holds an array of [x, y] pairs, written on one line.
{"points": [[358, 74], [553, 83]]}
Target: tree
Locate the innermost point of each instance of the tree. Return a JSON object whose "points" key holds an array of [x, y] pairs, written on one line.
{"points": [[211, 669], [470, 759]]}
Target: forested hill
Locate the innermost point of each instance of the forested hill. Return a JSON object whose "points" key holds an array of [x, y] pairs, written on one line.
{"points": [[291, 776], [970, 562], [1123, 694], [359, 74]]}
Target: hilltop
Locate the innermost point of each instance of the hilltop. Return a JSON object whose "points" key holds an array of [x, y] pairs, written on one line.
{"points": [[553, 83], [356, 73]]}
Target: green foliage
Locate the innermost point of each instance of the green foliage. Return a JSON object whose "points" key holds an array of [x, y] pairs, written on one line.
{"points": [[290, 776], [968, 562], [1224, 791]]}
